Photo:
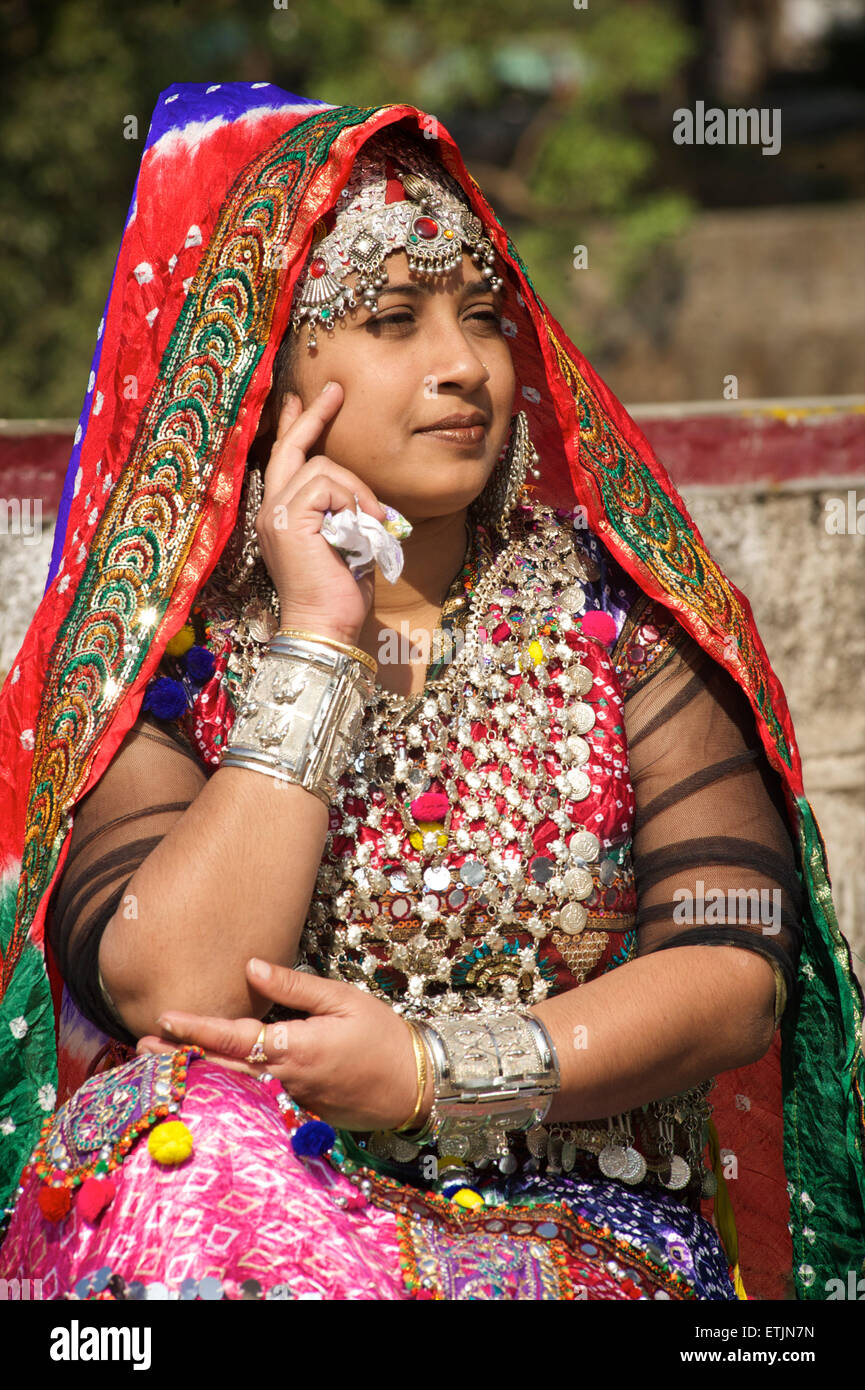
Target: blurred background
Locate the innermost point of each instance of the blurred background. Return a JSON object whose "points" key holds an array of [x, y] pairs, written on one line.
{"points": [[717, 289]]}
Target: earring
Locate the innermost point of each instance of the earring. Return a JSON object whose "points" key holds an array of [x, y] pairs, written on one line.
{"points": [[243, 551], [508, 478]]}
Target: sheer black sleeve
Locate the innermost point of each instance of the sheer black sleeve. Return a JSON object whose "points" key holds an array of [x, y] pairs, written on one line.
{"points": [[713, 852], [151, 780]]}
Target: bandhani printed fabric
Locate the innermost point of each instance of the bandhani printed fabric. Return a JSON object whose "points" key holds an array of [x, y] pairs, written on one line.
{"points": [[232, 181]]}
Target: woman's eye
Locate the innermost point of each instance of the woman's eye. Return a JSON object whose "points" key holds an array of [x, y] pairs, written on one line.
{"points": [[403, 316], [488, 315]]}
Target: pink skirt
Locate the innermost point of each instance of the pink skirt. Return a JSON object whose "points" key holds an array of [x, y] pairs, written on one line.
{"points": [[242, 1207], [242, 1215]]}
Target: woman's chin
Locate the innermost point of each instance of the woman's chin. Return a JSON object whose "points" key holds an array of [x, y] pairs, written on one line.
{"points": [[432, 507]]}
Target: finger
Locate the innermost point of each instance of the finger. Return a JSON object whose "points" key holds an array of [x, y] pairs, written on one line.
{"points": [[298, 989], [155, 1045], [319, 465], [150, 1044], [297, 436], [292, 407], [231, 1037], [314, 497]]}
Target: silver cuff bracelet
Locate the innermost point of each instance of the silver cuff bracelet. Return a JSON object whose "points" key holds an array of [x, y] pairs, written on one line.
{"points": [[493, 1074], [300, 718]]}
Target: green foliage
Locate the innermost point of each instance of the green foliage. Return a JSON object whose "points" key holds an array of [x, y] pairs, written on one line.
{"points": [[74, 73]]}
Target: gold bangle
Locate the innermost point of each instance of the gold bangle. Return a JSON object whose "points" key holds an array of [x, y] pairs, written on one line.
{"points": [[420, 1062], [359, 655]]}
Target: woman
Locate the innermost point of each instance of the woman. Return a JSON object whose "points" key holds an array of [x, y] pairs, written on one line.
{"points": [[493, 831]]}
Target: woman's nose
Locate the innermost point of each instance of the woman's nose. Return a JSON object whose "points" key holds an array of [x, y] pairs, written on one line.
{"points": [[457, 360]]}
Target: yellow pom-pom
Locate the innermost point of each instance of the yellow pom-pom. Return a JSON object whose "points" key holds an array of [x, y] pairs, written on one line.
{"points": [[170, 1142], [428, 827], [181, 641], [536, 652], [466, 1198]]}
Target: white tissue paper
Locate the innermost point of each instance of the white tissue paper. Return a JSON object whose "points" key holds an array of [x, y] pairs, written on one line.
{"points": [[363, 542]]}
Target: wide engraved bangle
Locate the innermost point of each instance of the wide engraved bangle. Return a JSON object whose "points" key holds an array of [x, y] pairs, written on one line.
{"points": [[493, 1074], [300, 718]]}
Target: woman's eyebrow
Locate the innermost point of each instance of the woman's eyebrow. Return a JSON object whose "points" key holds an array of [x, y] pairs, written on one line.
{"points": [[415, 287]]}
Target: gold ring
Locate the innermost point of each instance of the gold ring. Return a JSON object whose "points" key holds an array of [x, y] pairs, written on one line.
{"points": [[258, 1053]]}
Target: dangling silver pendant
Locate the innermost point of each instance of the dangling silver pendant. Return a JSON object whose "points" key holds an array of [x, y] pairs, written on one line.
{"points": [[679, 1174], [709, 1185], [554, 1154], [536, 1141], [611, 1161], [635, 1167]]}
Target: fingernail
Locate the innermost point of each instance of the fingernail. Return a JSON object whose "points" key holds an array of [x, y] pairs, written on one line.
{"points": [[166, 1026], [260, 968], [327, 385]]}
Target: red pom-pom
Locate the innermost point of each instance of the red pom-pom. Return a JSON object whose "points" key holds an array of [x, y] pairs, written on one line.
{"points": [[599, 625], [355, 1200], [96, 1194], [430, 806], [501, 633], [273, 1087], [54, 1202]]}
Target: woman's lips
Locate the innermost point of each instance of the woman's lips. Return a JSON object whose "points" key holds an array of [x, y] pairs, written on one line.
{"points": [[469, 435]]}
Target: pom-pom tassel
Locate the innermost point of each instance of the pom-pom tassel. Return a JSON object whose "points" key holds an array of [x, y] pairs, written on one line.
{"points": [[313, 1139], [54, 1202], [95, 1195], [170, 1143]]}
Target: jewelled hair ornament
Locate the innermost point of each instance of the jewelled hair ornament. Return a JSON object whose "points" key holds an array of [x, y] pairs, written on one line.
{"points": [[397, 199]]}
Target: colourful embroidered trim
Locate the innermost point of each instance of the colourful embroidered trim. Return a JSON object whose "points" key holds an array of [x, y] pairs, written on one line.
{"points": [[553, 1224], [93, 1132], [143, 538]]}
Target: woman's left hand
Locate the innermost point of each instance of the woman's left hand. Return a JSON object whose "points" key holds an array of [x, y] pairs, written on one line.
{"points": [[351, 1062]]}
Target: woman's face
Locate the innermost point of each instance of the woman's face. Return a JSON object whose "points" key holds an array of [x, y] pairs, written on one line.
{"points": [[434, 348]]}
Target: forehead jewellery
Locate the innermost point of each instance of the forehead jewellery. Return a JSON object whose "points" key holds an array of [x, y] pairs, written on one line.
{"points": [[398, 198]]}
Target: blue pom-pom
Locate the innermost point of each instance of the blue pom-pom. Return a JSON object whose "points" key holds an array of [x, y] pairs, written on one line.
{"points": [[199, 663], [165, 698], [312, 1139]]}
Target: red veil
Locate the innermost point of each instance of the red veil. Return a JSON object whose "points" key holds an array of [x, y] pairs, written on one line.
{"points": [[232, 181]]}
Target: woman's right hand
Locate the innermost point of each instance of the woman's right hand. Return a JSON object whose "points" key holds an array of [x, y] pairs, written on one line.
{"points": [[314, 585]]}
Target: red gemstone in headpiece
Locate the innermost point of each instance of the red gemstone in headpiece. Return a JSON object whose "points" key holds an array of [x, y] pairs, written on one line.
{"points": [[426, 227], [317, 268]]}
